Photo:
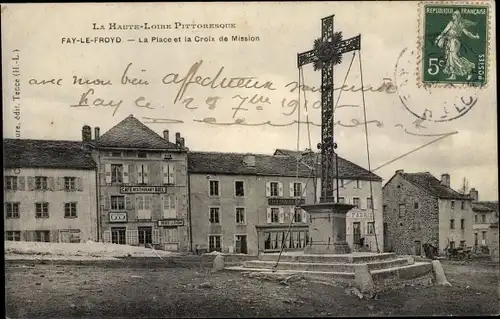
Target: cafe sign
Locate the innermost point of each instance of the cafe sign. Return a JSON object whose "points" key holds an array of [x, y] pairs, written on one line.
{"points": [[285, 201], [143, 189], [118, 217], [170, 222]]}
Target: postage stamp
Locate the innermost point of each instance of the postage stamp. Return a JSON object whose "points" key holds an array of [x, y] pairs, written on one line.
{"points": [[454, 43]]}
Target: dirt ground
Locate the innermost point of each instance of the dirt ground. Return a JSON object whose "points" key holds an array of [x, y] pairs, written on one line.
{"points": [[64, 291]]}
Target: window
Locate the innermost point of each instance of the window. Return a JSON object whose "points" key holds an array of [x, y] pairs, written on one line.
{"points": [[385, 208], [12, 210], [483, 218], [169, 173], [41, 183], [452, 205], [341, 183], [142, 174], [142, 155], [214, 215], [476, 219], [341, 200], [462, 223], [70, 210], [241, 244], [452, 245], [297, 189], [116, 173], [371, 228], [116, 154], [214, 243], [143, 204], [240, 215], [118, 235], [369, 203], [462, 205], [117, 202], [415, 205], [297, 215], [402, 210], [462, 243], [42, 236], [452, 224], [275, 214], [145, 235], [169, 204], [358, 183], [69, 184], [13, 235], [41, 210], [355, 202], [171, 235], [11, 183], [214, 188], [239, 188], [484, 236], [274, 188]]}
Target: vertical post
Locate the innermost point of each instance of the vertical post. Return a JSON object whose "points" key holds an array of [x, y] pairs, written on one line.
{"points": [[337, 172]]}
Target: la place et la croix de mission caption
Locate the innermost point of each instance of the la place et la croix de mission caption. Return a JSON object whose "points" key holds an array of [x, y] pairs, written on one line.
{"points": [[160, 37]]}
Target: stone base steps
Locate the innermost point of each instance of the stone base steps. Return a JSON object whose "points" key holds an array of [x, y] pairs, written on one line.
{"points": [[395, 276], [322, 266], [324, 258]]}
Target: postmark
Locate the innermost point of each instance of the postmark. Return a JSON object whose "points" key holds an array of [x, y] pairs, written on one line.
{"points": [[454, 44]]}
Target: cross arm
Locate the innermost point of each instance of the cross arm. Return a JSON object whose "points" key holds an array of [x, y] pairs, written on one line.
{"points": [[345, 46]]}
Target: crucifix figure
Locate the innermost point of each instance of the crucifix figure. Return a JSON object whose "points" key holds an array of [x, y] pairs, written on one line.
{"points": [[326, 54]]}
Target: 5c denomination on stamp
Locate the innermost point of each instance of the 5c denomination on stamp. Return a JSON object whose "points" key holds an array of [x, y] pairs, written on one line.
{"points": [[454, 44]]}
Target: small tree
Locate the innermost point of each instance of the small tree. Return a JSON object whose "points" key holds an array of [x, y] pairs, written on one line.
{"points": [[464, 188]]}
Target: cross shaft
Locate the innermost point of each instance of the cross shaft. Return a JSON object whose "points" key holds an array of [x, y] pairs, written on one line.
{"points": [[327, 112]]}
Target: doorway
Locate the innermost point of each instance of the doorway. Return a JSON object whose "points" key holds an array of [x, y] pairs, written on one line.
{"points": [[118, 235], [418, 248], [241, 244], [356, 233], [145, 235]]}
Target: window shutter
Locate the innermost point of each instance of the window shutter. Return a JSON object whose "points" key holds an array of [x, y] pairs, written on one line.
{"points": [[171, 174], [280, 189], [79, 184], [131, 237], [108, 173], [268, 215], [282, 215], [106, 236], [304, 216], [150, 201], [60, 184], [146, 173], [165, 173], [106, 201], [156, 236], [268, 189], [126, 179], [166, 206], [362, 203], [291, 189], [21, 183], [128, 202], [50, 183], [31, 183], [139, 174], [302, 189], [173, 206], [292, 214]]}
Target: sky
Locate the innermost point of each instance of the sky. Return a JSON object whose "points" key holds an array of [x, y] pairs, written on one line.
{"points": [[42, 40]]}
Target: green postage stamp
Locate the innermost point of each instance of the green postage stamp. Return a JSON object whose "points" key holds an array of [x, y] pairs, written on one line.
{"points": [[455, 43]]}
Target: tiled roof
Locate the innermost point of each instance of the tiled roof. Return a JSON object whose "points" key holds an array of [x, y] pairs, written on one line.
{"points": [[347, 169], [433, 186], [233, 163], [485, 206], [26, 153], [132, 133]]}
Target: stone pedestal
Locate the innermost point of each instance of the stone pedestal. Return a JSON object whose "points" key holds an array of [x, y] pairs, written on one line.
{"points": [[327, 231]]}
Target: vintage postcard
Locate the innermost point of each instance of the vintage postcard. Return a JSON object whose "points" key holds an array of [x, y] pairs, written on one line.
{"points": [[254, 159]]}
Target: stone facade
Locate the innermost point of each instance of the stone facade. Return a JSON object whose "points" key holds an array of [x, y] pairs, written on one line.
{"points": [[69, 209], [416, 223]]}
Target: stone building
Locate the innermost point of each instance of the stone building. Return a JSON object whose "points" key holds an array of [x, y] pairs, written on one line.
{"points": [[485, 224], [419, 208], [142, 186], [49, 191], [363, 221], [243, 203]]}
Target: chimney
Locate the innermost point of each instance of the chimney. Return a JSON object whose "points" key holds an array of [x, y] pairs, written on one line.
{"points": [[96, 133], [249, 160], [86, 133], [445, 180], [474, 194], [177, 138], [400, 171], [165, 135]]}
